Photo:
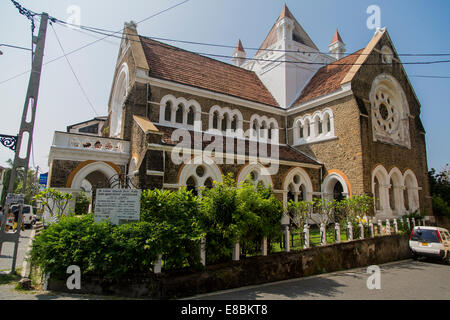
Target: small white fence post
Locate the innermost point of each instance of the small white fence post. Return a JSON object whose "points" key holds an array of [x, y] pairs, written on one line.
{"points": [[408, 223], [371, 229], [349, 231], [361, 231], [413, 222], [380, 228], [395, 226], [337, 232], [236, 251], [158, 264], [388, 227], [323, 235], [306, 233], [287, 239], [264, 246], [202, 249]]}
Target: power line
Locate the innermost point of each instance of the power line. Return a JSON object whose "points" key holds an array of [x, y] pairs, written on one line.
{"points": [[93, 42], [15, 47], [269, 60], [73, 71], [108, 32]]}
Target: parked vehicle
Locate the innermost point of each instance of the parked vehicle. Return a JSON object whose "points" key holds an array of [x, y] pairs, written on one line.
{"points": [[433, 242], [28, 214]]}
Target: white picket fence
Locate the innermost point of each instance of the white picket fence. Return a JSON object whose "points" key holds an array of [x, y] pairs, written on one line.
{"points": [[376, 228]]}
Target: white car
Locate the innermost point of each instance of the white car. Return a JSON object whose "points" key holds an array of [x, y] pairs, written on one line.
{"points": [[28, 214], [433, 242]]}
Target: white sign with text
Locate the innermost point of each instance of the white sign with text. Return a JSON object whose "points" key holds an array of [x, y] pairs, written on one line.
{"points": [[118, 205]]}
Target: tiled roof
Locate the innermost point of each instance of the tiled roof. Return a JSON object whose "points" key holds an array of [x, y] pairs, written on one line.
{"points": [[286, 153], [328, 78], [181, 66]]}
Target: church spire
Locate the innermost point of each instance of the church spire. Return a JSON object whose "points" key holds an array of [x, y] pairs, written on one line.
{"points": [[239, 54], [337, 46]]}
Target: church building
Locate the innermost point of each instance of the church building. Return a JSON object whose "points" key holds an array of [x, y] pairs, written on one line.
{"points": [[307, 123]]}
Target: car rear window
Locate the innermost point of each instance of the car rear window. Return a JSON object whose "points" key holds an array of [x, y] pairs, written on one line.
{"points": [[425, 235], [24, 209]]}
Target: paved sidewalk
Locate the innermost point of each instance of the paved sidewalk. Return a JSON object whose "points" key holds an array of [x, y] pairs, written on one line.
{"points": [[8, 249]]}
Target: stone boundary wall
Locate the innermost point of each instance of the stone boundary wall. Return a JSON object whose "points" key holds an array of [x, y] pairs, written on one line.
{"points": [[249, 271]]}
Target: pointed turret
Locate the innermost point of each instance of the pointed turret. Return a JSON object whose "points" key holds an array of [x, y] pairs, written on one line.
{"points": [[239, 54], [337, 46]]}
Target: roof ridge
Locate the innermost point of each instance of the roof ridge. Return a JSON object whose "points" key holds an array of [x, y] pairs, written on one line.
{"points": [[198, 54]]}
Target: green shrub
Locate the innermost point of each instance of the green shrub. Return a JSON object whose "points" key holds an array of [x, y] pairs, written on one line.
{"points": [[97, 248], [82, 203], [177, 217], [172, 224], [440, 206], [245, 214]]}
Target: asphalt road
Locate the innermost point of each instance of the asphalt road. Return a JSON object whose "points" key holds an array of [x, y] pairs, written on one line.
{"points": [[403, 280]]}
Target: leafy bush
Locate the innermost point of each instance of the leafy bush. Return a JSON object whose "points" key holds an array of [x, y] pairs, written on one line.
{"points": [[245, 214], [82, 203], [97, 248], [177, 216], [440, 206], [172, 224]]}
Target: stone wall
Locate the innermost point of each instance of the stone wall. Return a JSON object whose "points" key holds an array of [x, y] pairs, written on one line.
{"points": [[250, 271], [343, 153], [389, 155]]}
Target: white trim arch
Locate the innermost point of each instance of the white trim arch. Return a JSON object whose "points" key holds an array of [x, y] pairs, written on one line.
{"points": [[186, 105], [231, 115], [210, 170], [396, 182], [380, 191], [412, 190], [296, 178], [101, 166], [328, 184], [262, 174], [311, 125], [119, 95], [258, 132], [389, 111]]}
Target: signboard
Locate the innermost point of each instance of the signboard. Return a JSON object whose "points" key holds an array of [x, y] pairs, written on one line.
{"points": [[43, 177], [118, 205], [14, 198]]}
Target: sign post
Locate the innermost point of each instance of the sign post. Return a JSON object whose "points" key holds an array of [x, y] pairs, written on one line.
{"points": [[118, 205]]}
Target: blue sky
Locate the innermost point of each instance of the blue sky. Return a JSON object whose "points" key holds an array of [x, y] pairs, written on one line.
{"points": [[414, 26]]}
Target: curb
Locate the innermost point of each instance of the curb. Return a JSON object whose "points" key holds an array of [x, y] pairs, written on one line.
{"points": [[25, 282]]}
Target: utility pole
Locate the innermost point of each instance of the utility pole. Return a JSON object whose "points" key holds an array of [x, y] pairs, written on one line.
{"points": [[21, 158]]}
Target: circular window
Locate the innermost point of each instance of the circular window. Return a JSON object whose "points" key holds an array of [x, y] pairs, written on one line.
{"points": [[296, 179], [254, 176], [200, 171], [386, 112]]}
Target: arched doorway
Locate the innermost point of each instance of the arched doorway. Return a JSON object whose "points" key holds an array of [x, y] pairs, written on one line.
{"points": [[335, 186], [90, 176]]}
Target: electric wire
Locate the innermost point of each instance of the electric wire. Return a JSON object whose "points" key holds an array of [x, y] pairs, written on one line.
{"points": [[74, 74], [93, 42], [106, 32]]}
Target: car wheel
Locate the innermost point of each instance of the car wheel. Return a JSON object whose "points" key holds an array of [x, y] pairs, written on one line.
{"points": [[415, 257]]}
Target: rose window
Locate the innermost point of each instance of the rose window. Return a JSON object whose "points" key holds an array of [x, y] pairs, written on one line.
{"points": [[390, 111], [386, 112]]}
